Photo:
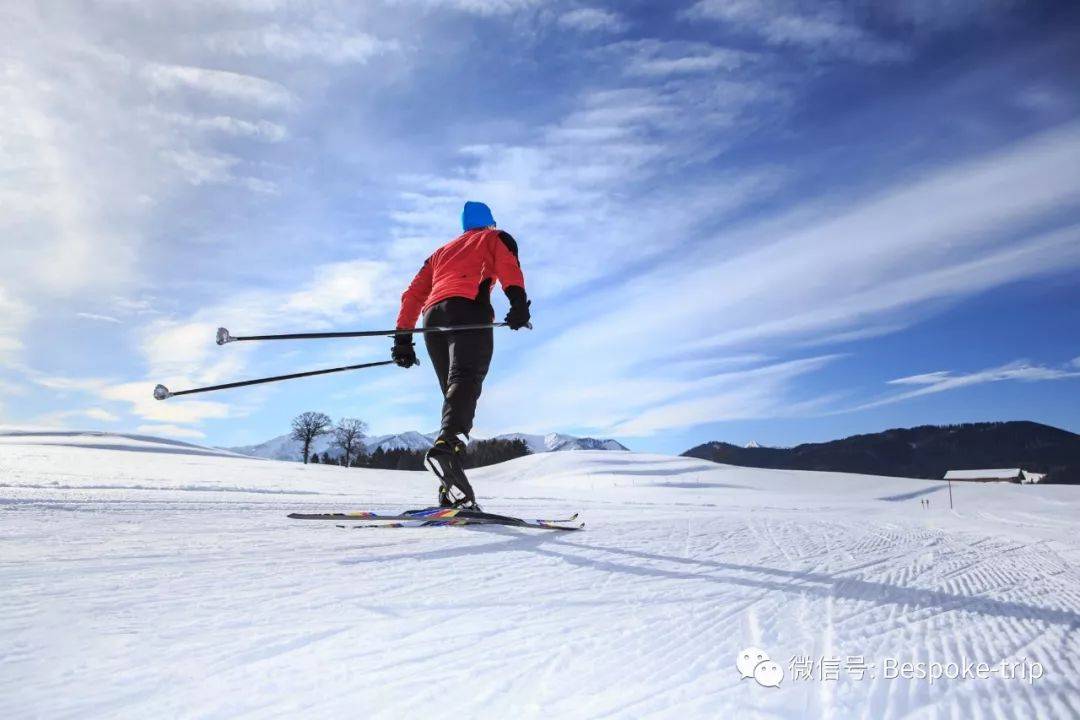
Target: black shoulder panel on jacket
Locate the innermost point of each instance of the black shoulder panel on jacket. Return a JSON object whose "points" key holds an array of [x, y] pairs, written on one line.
{"points": [[509, 242]]}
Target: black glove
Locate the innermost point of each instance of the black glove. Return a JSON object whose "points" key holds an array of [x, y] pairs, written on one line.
{"points": [[404, 353], [518, 317]]}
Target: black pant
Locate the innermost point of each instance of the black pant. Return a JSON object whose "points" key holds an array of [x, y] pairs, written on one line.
{"points": [[460, 358]]}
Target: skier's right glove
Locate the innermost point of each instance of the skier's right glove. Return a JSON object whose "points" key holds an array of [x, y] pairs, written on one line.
{"points": [[404, 353], [518, 317]]}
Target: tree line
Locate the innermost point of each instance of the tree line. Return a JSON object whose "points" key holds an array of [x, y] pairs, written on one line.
{"points": [[347, 436]]}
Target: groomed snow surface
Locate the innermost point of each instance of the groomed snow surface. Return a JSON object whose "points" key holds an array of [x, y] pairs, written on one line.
{"points": [[145, 579]]}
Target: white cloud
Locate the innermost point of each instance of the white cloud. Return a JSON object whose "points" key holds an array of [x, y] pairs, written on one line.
{"points": [[885, 262], [98, 142], [65, 418], [945, 380], [95, 316], [139, 396], [475, 7], [13, 317], [335, 292], [761, 392], [336, 45], [340, 290], [264, 130], [590, 19], [182, 353], [207, 168], [221, 84], [67, 384], [937, 15], [100, 414], [656, 58], [142, 305], [819, 28]]}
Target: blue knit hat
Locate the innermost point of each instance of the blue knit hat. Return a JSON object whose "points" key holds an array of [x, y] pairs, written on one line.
{"points": [[476, 215]]}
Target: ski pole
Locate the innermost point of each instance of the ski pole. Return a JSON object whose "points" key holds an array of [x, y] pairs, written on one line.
{"points": [[162, 393], [224, 337]]}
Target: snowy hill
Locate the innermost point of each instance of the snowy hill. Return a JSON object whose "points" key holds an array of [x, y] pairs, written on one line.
{"points": [[284, 447], [94, 439], [144, 578]]}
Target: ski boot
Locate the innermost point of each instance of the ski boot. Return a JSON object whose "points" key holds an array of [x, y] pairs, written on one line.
{"points": [[444, 459]]}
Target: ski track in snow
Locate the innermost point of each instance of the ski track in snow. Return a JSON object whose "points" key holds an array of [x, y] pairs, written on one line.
{"points": [[143, 584]]}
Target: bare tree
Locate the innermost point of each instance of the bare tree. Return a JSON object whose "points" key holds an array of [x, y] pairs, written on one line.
{"points": [[308, 426], [347, 435]]}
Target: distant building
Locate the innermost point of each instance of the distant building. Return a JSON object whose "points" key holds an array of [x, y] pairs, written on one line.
{"points": [[1015, 475], [1032, 478]]}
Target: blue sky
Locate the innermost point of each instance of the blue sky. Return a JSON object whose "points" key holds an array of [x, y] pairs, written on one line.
{"points": [[772, 221]]}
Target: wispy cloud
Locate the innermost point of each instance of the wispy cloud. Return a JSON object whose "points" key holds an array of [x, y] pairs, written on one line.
{"points": [[475, 7], [182, 353], [13, 316], [946, 380], [656, 58], [591, 19], [258, 129], [221, 84], [761, 392], [333, 44], [95, 316], [820, 28], [887, 260], [64, 418]]}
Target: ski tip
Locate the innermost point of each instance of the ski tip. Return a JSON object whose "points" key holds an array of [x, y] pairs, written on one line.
{"points": [[223, 336], [161, 393], [578, 526]]}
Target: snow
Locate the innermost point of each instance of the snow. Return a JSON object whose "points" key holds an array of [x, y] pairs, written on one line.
{"points": [[996, 473], [141, 579]]}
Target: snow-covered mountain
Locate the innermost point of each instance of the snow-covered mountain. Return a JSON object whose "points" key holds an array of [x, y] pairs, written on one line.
{"points": [[558, 442], [409, 440], [284, 447]]}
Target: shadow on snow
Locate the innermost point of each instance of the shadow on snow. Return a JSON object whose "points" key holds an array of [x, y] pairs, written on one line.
{"points": [[775, 579]]}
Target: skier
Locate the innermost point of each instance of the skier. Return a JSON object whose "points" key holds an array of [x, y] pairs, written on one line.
{"points": [[453, 287]]}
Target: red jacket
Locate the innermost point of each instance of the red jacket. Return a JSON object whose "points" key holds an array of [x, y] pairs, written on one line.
{"points": [[464, 267]]}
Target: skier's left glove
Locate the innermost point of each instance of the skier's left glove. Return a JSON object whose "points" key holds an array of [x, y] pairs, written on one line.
{"points": [[518, 317], [404, 353]]}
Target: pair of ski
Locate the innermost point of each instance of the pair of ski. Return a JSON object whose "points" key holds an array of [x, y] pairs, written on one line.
{"points": [[439, 516]]}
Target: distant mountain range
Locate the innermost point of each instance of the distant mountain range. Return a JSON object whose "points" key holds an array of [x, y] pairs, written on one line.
{"points": [[557, 442], [919, 452], [284, 447]]}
